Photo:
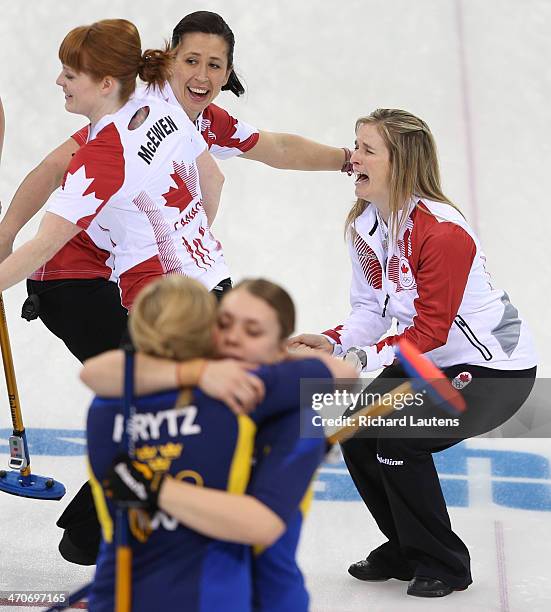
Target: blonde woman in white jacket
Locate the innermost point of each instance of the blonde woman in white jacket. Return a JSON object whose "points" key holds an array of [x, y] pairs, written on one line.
{"points": [[416, 261]]}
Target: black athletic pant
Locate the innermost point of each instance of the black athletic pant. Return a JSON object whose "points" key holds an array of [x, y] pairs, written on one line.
{"points": [[85, 313], [88, 316], [398, 482]]}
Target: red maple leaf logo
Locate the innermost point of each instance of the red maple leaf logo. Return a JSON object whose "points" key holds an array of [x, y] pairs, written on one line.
{"points": [[404, 269], [465, 377], [179, 197]]}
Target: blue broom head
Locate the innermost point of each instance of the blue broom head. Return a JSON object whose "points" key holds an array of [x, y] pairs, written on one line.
{"points": [[33, 485]]}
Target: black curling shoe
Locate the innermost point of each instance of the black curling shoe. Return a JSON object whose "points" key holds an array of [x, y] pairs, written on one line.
{"points": [[430, 587], [77, 554], [374, 572], [82, 533]]}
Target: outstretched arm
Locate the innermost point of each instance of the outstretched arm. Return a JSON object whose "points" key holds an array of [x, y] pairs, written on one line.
{"points": [[291, 152], [33, 192], [104, 374], [53, 233]]}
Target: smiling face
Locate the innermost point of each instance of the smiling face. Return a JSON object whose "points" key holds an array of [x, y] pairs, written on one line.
{"points": [[371, 165], [200, 71], [248, 329], [82, 93]]}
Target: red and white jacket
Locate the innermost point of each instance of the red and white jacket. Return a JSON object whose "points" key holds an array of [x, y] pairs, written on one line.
{"points": [[433, 281]]}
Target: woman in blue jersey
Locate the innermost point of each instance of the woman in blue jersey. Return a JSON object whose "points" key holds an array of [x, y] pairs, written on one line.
{"points": [[182, 441]]}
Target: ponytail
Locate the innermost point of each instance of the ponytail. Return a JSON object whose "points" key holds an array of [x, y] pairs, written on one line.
{"points": [[156, 66], [113, 47], [234, 85]]}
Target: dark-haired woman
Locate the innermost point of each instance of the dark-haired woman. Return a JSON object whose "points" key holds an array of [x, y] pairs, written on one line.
{"points": [[204, 46], [78, 279]]}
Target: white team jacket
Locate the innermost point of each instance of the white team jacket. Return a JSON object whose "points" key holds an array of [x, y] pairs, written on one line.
{"points": [[433, 281]]}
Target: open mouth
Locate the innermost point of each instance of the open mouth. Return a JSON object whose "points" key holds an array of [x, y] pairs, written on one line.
{"points": [[361, 178], [198, 93]]}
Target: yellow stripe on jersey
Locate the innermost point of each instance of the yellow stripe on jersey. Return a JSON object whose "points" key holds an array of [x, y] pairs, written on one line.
{"points": [[304, 508], [240, 469], [306, 501], [104, 517], [258, 549]]}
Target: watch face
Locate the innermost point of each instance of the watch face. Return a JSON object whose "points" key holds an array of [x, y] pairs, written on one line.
{"points": [[357, 357], [353, 359]]}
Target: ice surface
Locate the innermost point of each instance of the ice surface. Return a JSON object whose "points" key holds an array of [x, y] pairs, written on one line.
{"points": [[478, 73]]}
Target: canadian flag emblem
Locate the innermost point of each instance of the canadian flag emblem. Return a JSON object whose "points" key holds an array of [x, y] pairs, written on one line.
{"points": [[462, 380], [405, 274]]}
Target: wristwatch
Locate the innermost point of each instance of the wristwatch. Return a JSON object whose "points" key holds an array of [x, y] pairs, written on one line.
{"points": [[357, 357]]}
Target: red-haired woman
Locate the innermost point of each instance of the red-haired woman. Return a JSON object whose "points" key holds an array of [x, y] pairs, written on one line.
{"points": [[135, 185]]}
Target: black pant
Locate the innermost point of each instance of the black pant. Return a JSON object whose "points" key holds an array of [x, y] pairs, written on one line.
{"points": [[85, 313], [398, 482]]}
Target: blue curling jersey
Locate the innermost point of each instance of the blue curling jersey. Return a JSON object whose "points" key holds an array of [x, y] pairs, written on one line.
{"points": [[199, 440], [278, 584]]}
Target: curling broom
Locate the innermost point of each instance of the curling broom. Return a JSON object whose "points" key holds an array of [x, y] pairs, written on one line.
{"points": [[20, 480]]}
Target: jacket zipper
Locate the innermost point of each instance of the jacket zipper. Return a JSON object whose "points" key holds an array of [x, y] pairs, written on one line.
{"points": [[469, 334]]}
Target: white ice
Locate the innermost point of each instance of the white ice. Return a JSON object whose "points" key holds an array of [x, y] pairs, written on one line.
{"points": [[479, 74]]}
